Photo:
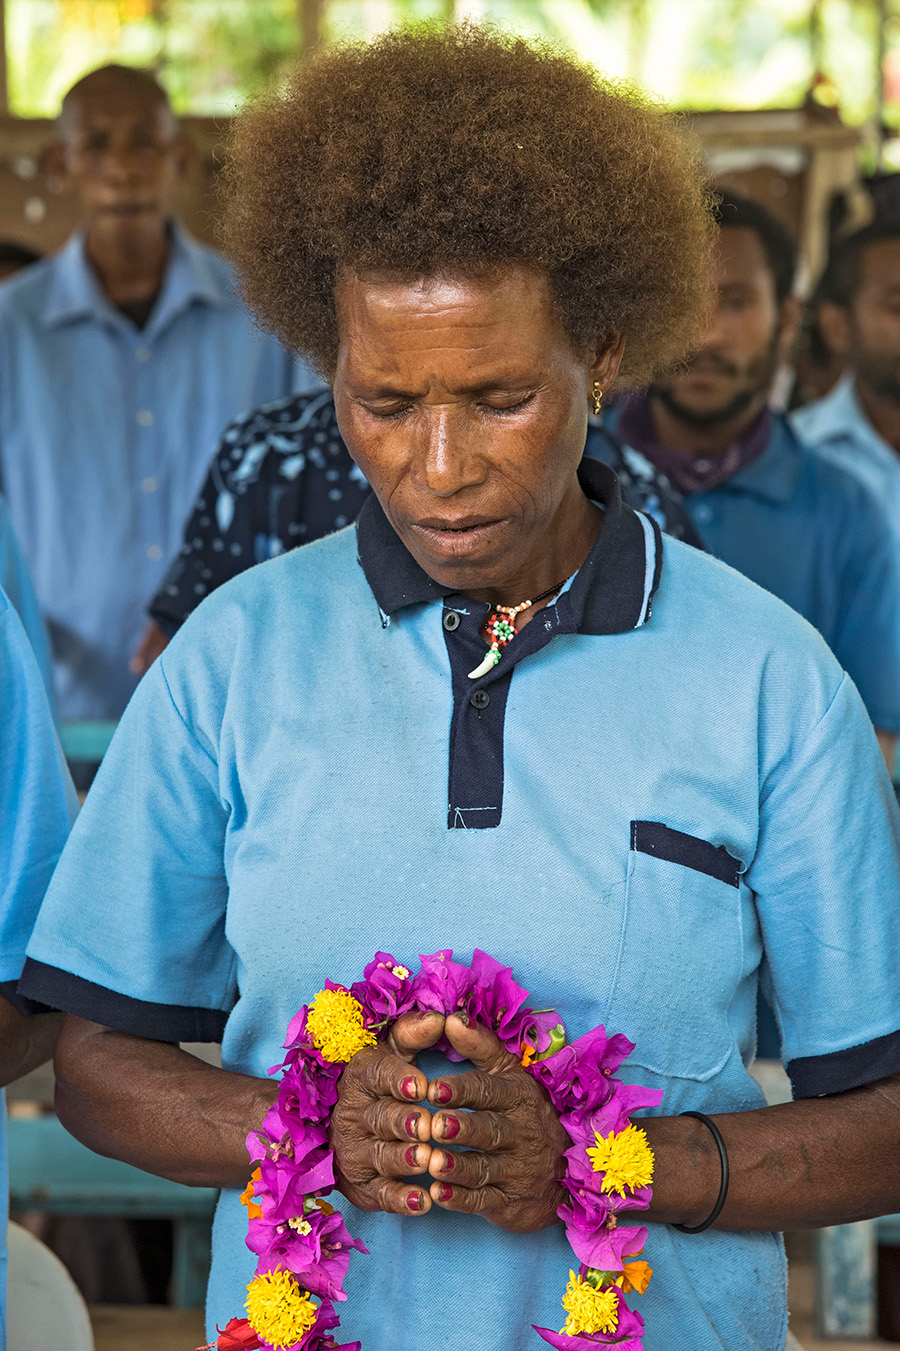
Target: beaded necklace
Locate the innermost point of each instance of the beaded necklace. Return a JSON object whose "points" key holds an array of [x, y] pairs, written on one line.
{"points": [[502, 629]]}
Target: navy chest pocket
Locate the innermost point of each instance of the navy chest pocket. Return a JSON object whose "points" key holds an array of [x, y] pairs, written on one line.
{"points": [[680, 953]]}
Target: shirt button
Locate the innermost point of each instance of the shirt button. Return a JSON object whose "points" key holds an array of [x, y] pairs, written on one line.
{"points": [[142, 353], [154, 551], [451, 620], [145, 418], [480, 699], [149, 485]]}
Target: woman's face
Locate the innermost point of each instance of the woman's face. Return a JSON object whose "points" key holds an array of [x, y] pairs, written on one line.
{"points": [[465, 407]]}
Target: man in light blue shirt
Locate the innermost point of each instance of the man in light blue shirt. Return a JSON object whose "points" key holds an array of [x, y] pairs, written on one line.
{"points": [[857, 425], [16, 583], [763, 502], [37, 804], [121, 359]]}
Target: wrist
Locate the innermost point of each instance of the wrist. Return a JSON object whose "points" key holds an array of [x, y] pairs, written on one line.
{"points": [[687, 1171]]}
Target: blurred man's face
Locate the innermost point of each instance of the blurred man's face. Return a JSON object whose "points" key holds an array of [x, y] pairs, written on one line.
{"points": [[125, 159], [874, 320], [732, 370]]}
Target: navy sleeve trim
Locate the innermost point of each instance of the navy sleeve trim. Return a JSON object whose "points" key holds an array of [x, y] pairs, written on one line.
{"points": [[652, 837], [815, 1075], [9, 989], [157, 1022]]}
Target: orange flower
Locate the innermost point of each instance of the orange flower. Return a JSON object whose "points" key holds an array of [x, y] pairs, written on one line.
{"points": [[248, 1196], [527, 1054], [635, 1276]]}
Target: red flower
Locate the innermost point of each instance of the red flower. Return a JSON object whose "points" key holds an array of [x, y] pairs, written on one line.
{"points": [[237, 1335]]}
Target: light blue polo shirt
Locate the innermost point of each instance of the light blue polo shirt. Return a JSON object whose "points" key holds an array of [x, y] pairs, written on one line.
{"points": [[37, 803], [815, 537], [837, 429], [665, 785], [16, 584], [106, 431]]}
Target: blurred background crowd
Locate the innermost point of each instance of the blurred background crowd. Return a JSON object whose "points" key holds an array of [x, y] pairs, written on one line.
{"points": [[153, 442]]}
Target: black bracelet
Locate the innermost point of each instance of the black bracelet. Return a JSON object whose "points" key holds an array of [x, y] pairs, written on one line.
{"points": [[723, 1185]]}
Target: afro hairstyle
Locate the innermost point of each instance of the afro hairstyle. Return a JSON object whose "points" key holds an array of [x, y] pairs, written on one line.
{"points": [[458, 150]]}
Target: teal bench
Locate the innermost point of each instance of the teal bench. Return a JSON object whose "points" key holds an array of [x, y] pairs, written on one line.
{"points": [[86, 740], [51, 1171]]}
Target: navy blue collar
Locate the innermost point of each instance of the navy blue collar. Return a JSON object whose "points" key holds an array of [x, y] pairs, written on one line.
{"points": [[611, 593]]}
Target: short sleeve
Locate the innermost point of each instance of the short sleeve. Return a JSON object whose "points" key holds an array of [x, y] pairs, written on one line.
{"points": [[867, 635], [132, 931], [37, 801], [825, 876]]}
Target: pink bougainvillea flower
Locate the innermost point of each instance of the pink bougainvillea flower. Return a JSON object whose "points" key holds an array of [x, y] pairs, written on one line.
{"points": [[386, 992], [318, 1257], [495, 998], [605, 1249]]}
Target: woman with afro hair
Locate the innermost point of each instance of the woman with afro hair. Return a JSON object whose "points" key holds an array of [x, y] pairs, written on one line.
{"points": [[500, 713]]}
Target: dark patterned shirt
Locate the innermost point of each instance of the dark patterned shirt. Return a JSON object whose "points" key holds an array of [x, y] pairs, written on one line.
{"points": [[282, 476]]}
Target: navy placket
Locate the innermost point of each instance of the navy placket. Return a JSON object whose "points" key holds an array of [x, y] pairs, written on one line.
{"points": [[479, 706]]}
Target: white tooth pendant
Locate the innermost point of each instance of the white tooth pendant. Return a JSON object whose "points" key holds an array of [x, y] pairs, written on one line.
{"points": [[491, 659]]}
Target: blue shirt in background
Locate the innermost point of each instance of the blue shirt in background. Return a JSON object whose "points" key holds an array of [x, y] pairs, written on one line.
{"points": [[815, 537], [37, 805], [106, 431], [670, 788], [837, 429], [16, 583]]}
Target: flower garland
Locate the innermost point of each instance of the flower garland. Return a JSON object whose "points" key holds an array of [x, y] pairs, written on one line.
{"points": [[301, 1242]]}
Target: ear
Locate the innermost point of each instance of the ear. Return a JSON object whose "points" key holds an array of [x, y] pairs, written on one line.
{"points": [[789, 315], [605, 366], [834, 325]]}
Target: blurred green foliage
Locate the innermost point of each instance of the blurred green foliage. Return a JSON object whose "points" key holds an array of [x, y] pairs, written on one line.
{"points": [[212, 54]]}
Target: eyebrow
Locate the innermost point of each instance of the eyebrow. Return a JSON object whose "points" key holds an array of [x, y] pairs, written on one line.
{"points": [[500, 385]]}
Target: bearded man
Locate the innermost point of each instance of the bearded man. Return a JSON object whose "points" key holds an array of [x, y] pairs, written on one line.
{"points": [[804, 529]]}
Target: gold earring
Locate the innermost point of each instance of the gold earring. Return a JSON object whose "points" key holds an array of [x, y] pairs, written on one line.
{"points": [[597, 396]]}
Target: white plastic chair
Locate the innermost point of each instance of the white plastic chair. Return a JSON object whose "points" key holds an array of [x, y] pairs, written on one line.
{"points": [[44, 1308]]}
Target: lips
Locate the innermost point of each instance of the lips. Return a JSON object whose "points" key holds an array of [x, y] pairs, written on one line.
{"points": [[455, 538]]}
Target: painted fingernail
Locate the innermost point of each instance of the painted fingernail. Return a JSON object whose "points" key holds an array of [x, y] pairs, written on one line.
{"points": [[446, 1193], [411, 1155], [409, 1089], [414, 1201], [451, 1127], [463, 1018], [426, 1014], [443, 1093], [412, 1122], [449, 1164]]}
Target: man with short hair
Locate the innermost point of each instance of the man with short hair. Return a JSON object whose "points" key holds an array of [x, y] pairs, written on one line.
{"points": [[763, 502], [857, 424], [122, 357]]}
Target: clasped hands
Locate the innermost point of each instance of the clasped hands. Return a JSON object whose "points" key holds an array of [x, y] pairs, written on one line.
{"points": [[499, 1116]]}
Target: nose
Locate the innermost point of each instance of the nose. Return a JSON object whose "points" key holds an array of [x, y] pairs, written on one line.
{"points": [[122, 163], [448, 456]]}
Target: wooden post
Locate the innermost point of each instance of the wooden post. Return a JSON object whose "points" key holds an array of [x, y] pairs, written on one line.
{"points": [[310, 14], [846, 1298], [4, 86]]}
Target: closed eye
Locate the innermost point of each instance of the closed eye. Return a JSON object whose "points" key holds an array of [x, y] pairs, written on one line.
{"points": [[503, 409]]}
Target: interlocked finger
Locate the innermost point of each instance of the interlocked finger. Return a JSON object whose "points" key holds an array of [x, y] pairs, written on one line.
{"points": [[397, 1198], [388, 1120], [472, 1168], [478, 1090], [485, 1201], [392, 1159], [474, 1130]]}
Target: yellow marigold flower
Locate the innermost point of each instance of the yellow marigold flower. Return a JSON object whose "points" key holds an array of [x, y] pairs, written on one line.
{"points": [[278, 1309], [626, 1159], [335, 1023], [589, 1310], [248, 1196], [635, 1276]]}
